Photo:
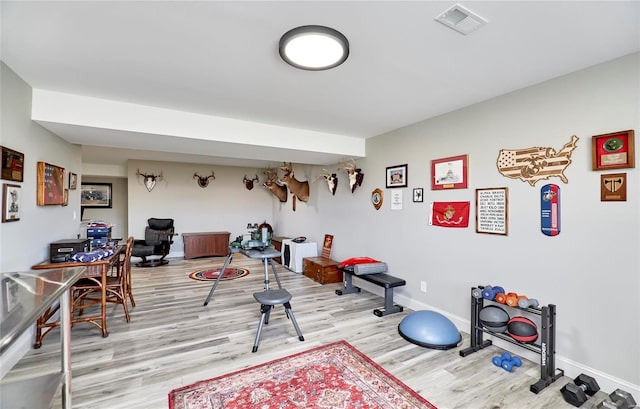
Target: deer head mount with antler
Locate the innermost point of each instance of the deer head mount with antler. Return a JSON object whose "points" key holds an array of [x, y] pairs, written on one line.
{"points": [[299, 189], [149, 179], [355, 174], [203, 181], [248, 183], [271, 183], [331, 179]]}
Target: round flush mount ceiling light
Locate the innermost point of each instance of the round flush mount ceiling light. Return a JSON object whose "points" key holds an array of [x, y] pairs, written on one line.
{"points": [[314, 48]]}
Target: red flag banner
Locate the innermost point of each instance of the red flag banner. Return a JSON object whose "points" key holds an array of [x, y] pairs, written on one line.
{"points": [[450, 214]]}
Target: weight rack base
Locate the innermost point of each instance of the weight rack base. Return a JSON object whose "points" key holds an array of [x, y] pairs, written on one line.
{"points": [[543, 383], [471, 350]]}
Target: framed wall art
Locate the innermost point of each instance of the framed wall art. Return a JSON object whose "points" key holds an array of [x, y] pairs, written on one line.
{"points": [[95, 195], [614, 150], [492, 209], [418, 195], [449, 173], [73, 181], [50, 184], [12, 165], [613, 187], [397, 176], [11, 198]]}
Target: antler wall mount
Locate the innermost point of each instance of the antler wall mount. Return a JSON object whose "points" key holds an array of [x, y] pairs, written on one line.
{"points": [[149, 179], [203, 181], [248, 183]]}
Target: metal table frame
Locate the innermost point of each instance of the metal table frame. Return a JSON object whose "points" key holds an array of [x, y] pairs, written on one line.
{"points": [[267, 255]]}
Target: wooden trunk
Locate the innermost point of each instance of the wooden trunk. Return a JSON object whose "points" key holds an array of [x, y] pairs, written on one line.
{"points": [[322, 269], [206, 244]]}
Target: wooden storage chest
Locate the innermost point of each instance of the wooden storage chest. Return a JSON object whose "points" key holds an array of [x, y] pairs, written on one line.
{"points": [[206, 244], [322, 269]]}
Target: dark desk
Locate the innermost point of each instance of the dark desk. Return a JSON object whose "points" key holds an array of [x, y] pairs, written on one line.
{"points": [[97, 272], [267, 255]]}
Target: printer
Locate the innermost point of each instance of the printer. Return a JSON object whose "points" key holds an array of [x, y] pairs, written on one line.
{"points": [[61, 251]]}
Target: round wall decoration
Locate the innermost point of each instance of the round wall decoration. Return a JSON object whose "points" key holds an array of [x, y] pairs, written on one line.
{"points": [[376, 198]]}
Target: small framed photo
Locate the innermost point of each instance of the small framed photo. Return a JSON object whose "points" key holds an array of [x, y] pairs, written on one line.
{"points": [[613, 151], [12, 164], [73, 181], [397, 176], [11, 197], [449, 173], [418, 195], [613, 187], [95, 195]]}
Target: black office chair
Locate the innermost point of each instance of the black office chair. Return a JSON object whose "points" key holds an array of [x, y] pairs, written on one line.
{"points": [[158, 238]]}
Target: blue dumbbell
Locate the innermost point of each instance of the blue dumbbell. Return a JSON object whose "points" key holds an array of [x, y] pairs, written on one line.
{"points": [[489, 292], [506, 361]]}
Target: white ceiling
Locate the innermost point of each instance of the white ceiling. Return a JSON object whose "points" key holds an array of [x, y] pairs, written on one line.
{"points": [[221, 59]]}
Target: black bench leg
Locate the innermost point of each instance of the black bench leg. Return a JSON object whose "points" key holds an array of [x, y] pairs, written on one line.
{"points": [[348, 285], [389, 307]]}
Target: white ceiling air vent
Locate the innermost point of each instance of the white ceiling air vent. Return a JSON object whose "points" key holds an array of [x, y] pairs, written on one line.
{"points": [[461, 19]]}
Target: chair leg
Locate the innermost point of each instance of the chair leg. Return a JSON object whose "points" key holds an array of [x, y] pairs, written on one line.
{"points": [[265, 310], [287, 308]]}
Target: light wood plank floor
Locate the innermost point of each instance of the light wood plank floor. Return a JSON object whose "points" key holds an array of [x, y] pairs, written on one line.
{"points": [[173, 340]]}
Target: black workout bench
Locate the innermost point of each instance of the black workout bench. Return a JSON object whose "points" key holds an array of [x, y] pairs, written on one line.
{"points": [[387, 281]]}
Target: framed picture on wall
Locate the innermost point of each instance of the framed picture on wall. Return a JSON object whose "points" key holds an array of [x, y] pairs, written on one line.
{"points": [[449, 173], [95, 195], [418, 195], [50, 184], [73, 181], [12, 164], [11, 196], [397, 176], [613, 151]]}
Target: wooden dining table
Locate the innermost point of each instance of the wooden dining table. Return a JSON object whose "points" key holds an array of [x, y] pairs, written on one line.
{"points": [[97, 271]]}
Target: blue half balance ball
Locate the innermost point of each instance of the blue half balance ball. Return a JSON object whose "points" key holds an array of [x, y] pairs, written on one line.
{"points": [[429, 329]]}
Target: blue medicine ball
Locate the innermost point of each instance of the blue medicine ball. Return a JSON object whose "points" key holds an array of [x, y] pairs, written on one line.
{"points": [[430, 330]]}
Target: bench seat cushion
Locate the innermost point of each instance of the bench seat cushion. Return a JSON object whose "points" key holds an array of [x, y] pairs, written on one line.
{"points": [[384, 280]]}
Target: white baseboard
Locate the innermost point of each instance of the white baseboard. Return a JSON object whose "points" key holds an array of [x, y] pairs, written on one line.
{"points": [[608, 383]]}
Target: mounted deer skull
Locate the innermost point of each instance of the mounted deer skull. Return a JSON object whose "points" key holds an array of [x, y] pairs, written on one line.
{"points": [[248, 183], [271, 183], [299, 189], [355, 174], [331, 179], [149, 179], [203, 181]]}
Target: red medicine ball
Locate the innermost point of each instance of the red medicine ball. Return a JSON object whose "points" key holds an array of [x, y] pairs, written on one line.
{"points": [[522, 329]]}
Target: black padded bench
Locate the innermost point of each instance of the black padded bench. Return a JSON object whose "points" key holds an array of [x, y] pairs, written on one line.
{"points": [[385, 280]]}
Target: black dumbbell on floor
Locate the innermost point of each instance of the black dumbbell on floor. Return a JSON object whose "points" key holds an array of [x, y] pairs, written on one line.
{"points": [[576, 393], [618, 399]]}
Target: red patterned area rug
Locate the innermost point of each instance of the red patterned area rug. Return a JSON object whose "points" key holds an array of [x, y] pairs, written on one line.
{"points": [[212, 273], [333, 376]]}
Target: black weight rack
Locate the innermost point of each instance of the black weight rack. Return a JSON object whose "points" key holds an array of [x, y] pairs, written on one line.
{"points": [[546, 347]]}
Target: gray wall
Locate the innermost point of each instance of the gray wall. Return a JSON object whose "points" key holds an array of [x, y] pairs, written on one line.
{"points": [[117, 215], [224, 205], [590, 271], [26, 242]]}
